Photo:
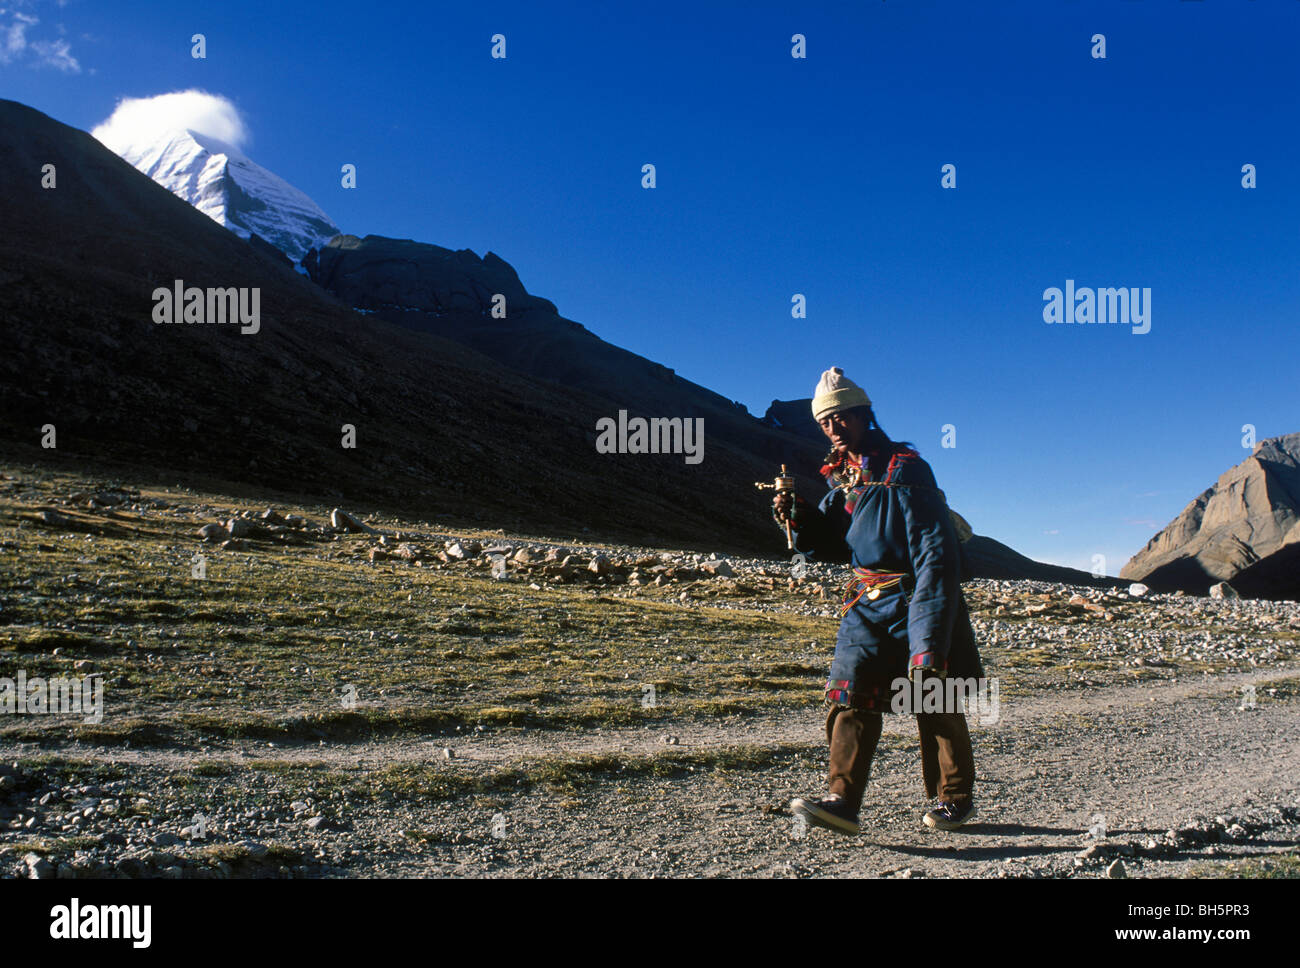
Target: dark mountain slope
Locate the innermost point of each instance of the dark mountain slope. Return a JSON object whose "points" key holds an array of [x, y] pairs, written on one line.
{"points": [[439, 426]]}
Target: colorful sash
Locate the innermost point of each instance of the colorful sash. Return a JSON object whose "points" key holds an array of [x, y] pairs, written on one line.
{"points": [[867, 582]]}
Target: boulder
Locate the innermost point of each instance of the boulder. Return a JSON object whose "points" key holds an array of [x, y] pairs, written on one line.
{"points": [[340, 520], [461, 550], [38, 868], [239, 528]]}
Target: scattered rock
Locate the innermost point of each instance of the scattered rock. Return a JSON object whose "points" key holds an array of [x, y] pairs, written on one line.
{"points": [[241, 528], [461, 550], [213, 532], [255, 850], [340, 520], [38, 868]]}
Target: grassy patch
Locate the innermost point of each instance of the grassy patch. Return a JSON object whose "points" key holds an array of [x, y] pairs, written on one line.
{"points": [[1274, 867], [563, 775], [48, 846]]}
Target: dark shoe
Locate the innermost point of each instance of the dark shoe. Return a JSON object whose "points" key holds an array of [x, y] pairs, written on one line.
{"points": [[950, 816], [831, 812]]}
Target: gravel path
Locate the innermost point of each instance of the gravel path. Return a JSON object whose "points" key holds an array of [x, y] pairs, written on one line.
{"points": [[1159, 760]]}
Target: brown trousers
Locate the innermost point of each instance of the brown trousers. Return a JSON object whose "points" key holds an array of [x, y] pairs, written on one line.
{"points": [[947, 762]]}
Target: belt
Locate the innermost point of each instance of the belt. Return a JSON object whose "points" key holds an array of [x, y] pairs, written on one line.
{"points": [[869, 583]]}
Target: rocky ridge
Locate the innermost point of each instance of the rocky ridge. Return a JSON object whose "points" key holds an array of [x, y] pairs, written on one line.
{"points": [[1244, 530]]}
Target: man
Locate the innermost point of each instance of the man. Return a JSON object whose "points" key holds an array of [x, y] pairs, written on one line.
{"points": [[904, 615]]}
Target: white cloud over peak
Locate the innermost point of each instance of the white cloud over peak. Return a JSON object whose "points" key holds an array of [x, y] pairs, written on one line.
{"points": [[139, 120]]}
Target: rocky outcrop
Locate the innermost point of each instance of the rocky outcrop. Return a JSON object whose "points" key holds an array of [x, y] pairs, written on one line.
{"points": [[378, 273], [795, 416], [451, 293], [1244, 530]]}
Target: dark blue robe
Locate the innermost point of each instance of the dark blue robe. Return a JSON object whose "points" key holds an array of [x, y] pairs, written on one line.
{"points": [[899, 524]]}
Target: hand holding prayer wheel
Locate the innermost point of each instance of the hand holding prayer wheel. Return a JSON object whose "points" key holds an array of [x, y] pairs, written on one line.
{"points": [[782, 502]]}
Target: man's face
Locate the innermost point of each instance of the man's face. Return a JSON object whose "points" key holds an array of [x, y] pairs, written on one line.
{"points": [[844, 429]]}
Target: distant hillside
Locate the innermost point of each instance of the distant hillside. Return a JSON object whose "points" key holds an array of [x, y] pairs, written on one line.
{"points": [[1244, 530]]}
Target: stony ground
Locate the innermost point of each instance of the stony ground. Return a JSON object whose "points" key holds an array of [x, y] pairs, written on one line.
{"points": [[290, 692]]}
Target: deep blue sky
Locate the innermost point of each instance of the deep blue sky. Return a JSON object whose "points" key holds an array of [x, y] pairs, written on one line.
{"points": [[820, 176]]}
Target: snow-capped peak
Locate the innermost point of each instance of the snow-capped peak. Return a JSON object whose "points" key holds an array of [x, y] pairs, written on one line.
{"points": [[225, 184]]}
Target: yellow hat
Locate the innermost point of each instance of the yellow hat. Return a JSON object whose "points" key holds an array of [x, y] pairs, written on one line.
{"points": [[835, 392]]}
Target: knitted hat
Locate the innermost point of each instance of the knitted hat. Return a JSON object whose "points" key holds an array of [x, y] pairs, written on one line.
{"points": [[835, 392]]}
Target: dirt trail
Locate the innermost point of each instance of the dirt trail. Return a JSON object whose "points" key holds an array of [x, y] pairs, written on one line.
{"points": [[1147, 756], [1132, 703]]}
